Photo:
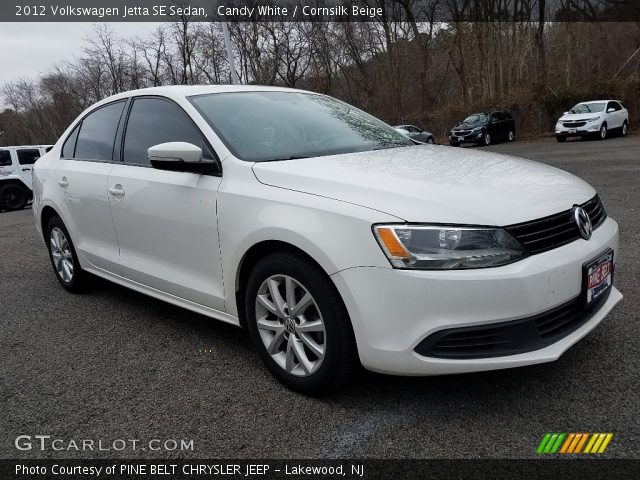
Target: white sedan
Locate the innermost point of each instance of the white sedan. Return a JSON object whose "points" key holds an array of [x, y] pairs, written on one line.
{"points": [[327, 234], [598, 119]]}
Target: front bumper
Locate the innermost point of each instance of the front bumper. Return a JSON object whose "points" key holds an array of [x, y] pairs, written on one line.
{"points": [[592, 128], [470, 138], [392, 311]]}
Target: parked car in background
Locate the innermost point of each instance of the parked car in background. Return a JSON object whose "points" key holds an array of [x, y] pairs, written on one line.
{"points": [[416, 134], [331, 237], [15, 174], [597, 118], [484, 129]]}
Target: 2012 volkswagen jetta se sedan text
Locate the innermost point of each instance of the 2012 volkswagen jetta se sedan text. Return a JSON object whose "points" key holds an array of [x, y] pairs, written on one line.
{"points": [[327, 234]]}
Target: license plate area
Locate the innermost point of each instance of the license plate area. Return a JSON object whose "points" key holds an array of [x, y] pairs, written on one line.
{"points": [[597, 277], [573, 130]]}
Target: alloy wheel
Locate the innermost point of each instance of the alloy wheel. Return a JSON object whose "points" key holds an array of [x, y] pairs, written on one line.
{"points": [[487, 139], [603, 132], [290, 325], [510, 136], [61, 254], [624, 129]]}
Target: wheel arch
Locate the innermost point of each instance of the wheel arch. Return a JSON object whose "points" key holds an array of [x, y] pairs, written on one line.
{"points": [[46, 214], [251, 258]]}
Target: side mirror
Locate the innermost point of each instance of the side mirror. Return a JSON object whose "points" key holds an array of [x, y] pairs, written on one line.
{"points": [[566, 113], [609, 110], [180, 157]]}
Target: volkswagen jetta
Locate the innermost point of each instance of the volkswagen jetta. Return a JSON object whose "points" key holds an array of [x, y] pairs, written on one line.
{"points": [[327, 234]]}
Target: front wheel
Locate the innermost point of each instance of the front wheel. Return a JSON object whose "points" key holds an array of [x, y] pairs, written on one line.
{"points": [[13, 197], [299, 324], [430, 141], [454, 144], [511, 136], [561, 138], [603, 132], [486, 139], [625, 129]]}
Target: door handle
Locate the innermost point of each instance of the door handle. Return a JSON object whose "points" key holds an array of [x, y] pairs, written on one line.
{"points": [[26, 169], [117, 191], [63, 182]]}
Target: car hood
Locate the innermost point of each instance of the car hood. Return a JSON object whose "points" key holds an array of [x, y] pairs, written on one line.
{"points": [[468, 126], [434, 184], [578, 116]]}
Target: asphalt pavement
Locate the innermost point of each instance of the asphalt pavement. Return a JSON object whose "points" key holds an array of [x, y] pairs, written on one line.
{"points": [[114, 364]]}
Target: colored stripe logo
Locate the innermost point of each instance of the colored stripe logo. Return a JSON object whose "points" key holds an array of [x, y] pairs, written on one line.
{"points": [[573, 443]]}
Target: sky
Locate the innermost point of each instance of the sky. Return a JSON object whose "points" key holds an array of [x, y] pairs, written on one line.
{"points": [[28, 49]]}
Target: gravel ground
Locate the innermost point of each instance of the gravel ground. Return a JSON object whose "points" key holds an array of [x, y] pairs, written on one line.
{"points": [[114, 364]]}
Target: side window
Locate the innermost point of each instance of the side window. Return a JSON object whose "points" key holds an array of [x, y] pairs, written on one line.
{"points": [[69, 146], [98, 133], [28, 156], [499, 116], [153, 121], [5, 158], [614, 105]]}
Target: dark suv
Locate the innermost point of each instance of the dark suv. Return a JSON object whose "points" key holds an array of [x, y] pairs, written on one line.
{"points": [[484, 129]]}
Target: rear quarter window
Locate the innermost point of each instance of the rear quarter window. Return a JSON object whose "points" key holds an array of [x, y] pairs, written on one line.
{"points": [[98, 133]]}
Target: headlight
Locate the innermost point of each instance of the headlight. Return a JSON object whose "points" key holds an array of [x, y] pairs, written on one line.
{"points": [[593, 119], [441, 247]]}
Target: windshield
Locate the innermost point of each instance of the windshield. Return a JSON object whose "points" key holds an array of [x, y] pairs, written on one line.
{"points": [[475, 118], [588, 107], [269, 126]]}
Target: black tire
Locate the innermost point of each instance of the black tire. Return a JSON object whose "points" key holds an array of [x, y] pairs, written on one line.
{"points": [[79, 280], [511, 135], [624, 130], [340, 360], [561, 138], [486, 139], [430, 141], [602, 134], [454, 144], [13, 197]]}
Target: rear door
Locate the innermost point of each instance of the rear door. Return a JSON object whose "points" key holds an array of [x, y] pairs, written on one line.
{"points": [[81, 174], [6, 162], [26, 158], [166, 222]]}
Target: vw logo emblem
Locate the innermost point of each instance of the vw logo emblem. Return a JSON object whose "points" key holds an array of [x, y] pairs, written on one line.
{"points": [[581, 217], [289, 325]]}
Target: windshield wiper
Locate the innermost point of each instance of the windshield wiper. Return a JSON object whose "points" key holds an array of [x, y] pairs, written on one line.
{"points": [[292, 157]]}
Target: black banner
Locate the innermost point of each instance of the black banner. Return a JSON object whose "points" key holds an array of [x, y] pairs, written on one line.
{"points": [[320, 10], [350, 469]]}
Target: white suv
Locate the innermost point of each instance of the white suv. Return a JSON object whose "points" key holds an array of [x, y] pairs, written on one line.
{"points": [[597, 119], [15, 174], [327, 234]]}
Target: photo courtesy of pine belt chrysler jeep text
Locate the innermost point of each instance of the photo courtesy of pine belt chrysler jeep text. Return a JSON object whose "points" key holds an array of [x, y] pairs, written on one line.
{"points": [[331, 237]]}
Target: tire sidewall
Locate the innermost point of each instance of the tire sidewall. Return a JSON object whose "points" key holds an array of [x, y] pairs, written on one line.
{"points": [[316, 285], [486, 139]]}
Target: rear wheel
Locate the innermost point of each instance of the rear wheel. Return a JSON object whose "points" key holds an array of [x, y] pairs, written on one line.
{"points": [[63, 257], [430, 141], [13, 196], [299, 324]]}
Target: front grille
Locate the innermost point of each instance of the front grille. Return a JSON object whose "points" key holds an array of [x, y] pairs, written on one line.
{"points": [[510, 338], [551, 232], [461, 133], [574, 124]]}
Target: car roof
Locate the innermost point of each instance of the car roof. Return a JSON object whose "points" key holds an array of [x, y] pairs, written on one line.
{"points": [[26, 146], [599, 101], [181, 91]]}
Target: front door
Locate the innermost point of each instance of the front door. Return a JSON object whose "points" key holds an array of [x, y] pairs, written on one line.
{"points": [[166, 221]]}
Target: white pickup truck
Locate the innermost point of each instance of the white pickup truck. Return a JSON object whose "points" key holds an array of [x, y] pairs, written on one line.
{"points": [[16, 164]]}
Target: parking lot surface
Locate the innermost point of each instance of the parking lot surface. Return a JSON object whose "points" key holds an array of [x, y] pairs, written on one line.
{"points": [[115, 364]]}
